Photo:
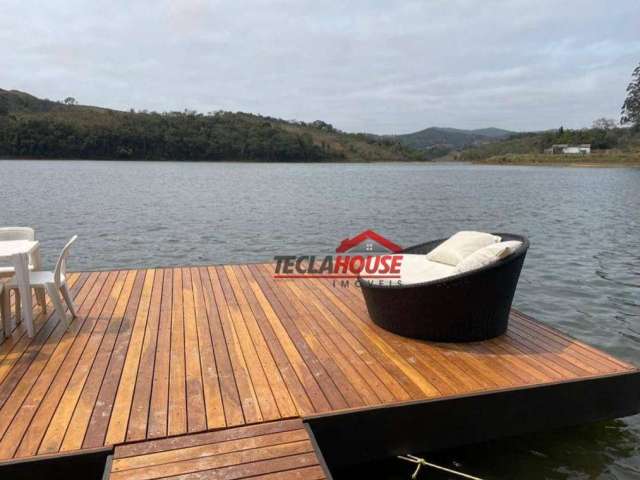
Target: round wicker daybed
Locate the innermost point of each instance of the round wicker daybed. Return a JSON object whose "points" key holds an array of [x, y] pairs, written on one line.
{"points": [[464, 307]]}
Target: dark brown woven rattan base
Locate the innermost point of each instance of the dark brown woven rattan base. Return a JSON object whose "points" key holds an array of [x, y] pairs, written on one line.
{"points": [[467, 307]]}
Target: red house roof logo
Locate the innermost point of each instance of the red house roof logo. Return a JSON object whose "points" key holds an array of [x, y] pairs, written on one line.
{"points": [[368, 235]]}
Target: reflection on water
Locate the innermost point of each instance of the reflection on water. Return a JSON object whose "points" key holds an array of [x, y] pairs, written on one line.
{"points": [[582, 272], [601, 450]]}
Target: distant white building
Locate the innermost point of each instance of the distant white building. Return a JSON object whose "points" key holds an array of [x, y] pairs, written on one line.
{"points": [[565, 148]]}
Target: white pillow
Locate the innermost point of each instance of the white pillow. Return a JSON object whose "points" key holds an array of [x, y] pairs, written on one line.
{"points": [[487, 255], [461, 245], [417, 269]]}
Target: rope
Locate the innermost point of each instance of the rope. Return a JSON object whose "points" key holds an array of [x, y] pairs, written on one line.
{"points": [[420, 462]]}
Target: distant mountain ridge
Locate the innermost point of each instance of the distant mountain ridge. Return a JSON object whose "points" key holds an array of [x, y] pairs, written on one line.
{"points": [[441, 140], [493, 132]]}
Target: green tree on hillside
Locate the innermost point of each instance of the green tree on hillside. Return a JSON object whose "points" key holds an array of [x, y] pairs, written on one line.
{"points": [[631, 106], [604, 124], [4, 106], [35, 128]]}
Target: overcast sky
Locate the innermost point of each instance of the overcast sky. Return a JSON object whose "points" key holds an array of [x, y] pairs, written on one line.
{"points": [[376, 66]]}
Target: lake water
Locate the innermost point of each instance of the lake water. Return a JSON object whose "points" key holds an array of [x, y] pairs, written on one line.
{"points": [[582, 272]]}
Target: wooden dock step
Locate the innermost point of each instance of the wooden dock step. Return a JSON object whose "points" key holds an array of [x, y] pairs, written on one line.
{"points": [[273, 450]]}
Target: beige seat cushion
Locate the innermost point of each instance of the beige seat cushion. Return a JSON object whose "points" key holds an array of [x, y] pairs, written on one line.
{"points": [[459, 246], [487, 255], [416, 269]]}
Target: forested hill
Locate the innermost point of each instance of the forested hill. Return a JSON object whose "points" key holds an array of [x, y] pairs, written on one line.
{"points": [[604, 140], [435, 142], [35, 128]]}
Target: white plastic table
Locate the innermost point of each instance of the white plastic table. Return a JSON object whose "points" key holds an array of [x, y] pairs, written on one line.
{"points": [[18, 251]]}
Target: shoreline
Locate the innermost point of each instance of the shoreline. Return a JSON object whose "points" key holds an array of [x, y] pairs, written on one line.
{"points": [[495, 162], [613, 160], [559, 164], [175, 160]]}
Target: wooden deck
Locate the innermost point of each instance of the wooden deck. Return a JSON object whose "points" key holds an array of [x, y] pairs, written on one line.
{"points": [[164, 352]]}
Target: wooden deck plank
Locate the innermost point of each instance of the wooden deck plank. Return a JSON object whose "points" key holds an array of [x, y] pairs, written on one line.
{"points": [[558, 366], [177, 413], [476, 357], [322, 391], [261, 385], [104, 403], [450, 373], [579, 355], [196, 416], [205, 438], [70, 377], [66, 352], [215, 436], [16, 392], [296, 390], [528, 368], [109, 317], [117, 426], [281, 395], [379, 380], [350, 383], [139, 413], [214, 408], [241, 452], [560, 338], [188, 453], [392, 377], [229, 389], [313, 398], [87, 403], [334, 382], [246, 391], [162, 356], [216, 461], [305, 473], [404, 364], [280, 467], [158, 410]]}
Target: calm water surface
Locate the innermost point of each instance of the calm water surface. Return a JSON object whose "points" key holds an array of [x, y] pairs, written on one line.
{"points": [[582, 272]]}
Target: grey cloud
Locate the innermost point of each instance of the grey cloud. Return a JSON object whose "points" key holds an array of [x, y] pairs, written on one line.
{"points": [[380, 66]]}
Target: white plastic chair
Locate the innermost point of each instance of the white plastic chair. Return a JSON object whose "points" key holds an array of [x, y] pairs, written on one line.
{"points": [[21, 233], [54, 282], [15, 233]]}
